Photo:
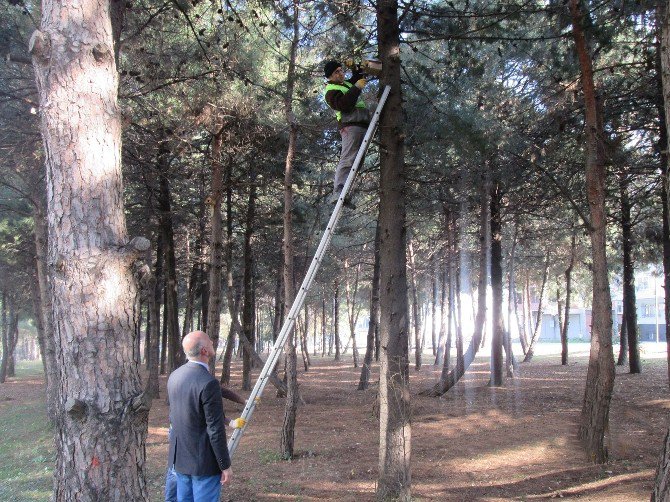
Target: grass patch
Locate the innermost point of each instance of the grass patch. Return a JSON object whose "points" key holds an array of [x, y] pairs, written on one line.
{"points": [[267, 457], [29, 369], [26, 451]]}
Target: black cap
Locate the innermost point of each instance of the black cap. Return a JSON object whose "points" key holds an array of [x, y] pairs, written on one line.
{"points": [[330, 67]]}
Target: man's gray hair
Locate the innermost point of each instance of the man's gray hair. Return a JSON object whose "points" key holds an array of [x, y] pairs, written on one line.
{"points": [[194, 353]]}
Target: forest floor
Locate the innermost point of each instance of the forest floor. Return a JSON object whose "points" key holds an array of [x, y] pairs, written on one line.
{"points": [[476, 443]]}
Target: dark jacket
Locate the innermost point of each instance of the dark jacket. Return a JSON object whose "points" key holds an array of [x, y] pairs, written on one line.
{"points": [[198, 441], [345, 102]]}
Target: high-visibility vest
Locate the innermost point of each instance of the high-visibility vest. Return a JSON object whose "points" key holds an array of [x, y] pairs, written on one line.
{"points": [[344, 88]]}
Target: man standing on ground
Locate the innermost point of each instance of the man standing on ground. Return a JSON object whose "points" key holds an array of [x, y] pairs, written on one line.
{"points": [[198, 448], [353, 118]]}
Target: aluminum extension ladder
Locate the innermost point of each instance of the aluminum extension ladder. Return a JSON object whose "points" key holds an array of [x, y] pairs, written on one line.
{"points": [[289, 323]]}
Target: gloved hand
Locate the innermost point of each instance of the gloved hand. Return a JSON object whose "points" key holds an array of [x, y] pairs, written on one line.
{"points": [[257, 400], [237, 423], [360, 83]]}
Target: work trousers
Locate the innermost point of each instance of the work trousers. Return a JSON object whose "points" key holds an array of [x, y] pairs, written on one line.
{"points": [[352, 137]]}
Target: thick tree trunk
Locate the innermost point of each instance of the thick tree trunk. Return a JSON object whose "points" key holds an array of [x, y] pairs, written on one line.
{"points": [[394, 402], [291, 407], [101, 430], [630, 307], [600, 374], [537, 330], [364, 381]]}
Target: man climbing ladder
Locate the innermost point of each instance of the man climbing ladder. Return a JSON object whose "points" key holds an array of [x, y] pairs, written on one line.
{"points": [[289, 323], [353, 119]]}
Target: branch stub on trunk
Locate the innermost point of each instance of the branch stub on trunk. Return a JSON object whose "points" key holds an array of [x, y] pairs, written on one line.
{"points": [[40, 46], [141, 402], [139, 244], [75, 408], [101, 53]]}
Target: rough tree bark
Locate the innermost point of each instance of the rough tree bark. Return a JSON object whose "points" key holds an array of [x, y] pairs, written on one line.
{"points": [[102, 425], [600, 373], [394, 403]]}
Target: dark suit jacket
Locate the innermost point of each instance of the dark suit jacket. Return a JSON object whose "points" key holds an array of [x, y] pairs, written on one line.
{"points": [[198, 442]]}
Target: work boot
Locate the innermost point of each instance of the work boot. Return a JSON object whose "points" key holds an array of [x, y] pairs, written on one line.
{"points": [[347, 200], [335, 195]]}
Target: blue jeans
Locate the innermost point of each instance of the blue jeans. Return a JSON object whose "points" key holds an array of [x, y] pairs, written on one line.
{"points": [[198, 488], [171, 485]]}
